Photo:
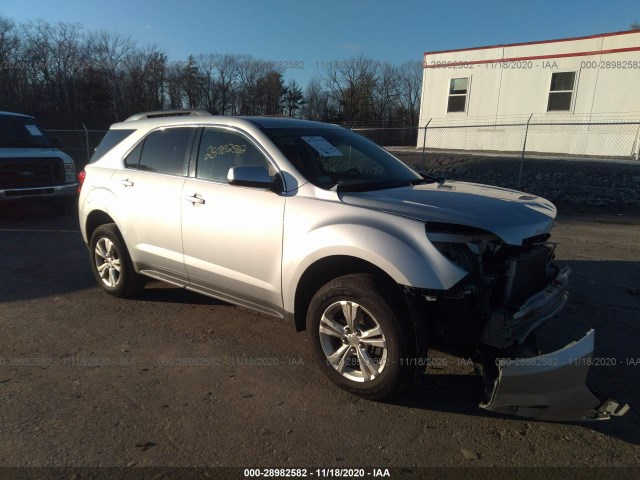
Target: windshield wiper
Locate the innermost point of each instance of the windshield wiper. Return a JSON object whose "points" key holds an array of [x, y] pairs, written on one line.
{"points": [[430, 179], [379, 185]]}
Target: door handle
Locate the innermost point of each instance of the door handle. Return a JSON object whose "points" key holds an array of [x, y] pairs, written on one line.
{"points": [[194, 199], [126, 183]]}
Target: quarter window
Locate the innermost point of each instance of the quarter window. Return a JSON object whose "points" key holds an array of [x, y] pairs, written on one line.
{"points": [[220, 150], [110, 140], [133, 159], [458, 93], [166, 151], [561, 91]]}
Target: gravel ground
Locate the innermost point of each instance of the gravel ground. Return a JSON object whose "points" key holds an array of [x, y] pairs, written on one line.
{"points": [[89, 380], [582, 182]]}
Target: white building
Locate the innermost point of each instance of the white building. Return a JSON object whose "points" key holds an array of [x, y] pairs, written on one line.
{"points": [[484, 91]]}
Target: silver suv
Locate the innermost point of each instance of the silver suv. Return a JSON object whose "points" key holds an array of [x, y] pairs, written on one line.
{"points": [[314, 224]]}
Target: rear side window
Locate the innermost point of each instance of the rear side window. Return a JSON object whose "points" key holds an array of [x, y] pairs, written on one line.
{"points": [[110, 140], [166, 151]]}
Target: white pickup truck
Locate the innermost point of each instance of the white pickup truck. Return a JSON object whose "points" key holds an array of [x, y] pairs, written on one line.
{"points": [[31, 167]]}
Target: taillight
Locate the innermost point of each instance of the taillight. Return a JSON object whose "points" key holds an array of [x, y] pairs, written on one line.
{"points": [[81, 177]]}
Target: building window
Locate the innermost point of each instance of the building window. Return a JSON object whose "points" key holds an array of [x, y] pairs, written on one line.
{"points": [[561, 91], [458, 92]]}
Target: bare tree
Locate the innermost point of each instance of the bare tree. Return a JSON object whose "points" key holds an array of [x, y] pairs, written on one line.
{"points": [[67, 76], [227, 68], [409, 87], [351, 84], [250, 101], [8, 41], [318, 105], [174, 88], [144, 72], [108, 52], [9, 66], [385, 92], [207, 70]]}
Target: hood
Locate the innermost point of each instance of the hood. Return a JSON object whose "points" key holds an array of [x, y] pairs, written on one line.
{"points": [[509, 214], [45, 152]]}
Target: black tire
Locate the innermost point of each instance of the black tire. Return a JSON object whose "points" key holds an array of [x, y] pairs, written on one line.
{"points": [[111, 263], [388, 369]]}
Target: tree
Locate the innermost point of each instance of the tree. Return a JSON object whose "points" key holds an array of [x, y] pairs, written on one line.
{"points": [[270, 91], [259, 87], [293, 98], [145, 78], [351, 84], [227, 67], [108, 53], [192, 83], [10, 73], [68, 77], [385, 92], [318, 105], [175, 81], [409, 87]]}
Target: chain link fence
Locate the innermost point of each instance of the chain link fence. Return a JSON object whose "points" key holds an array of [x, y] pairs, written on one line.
{"points": [[78, 144], [563, 137], [560, 137], [447, 142]]}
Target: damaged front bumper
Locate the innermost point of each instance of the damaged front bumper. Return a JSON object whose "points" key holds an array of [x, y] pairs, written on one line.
{"points": [[506, 327], [549, 387]]}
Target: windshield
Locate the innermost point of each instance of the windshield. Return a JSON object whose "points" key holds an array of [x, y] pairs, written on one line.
{"points": [[21, 132], [335, 158]]}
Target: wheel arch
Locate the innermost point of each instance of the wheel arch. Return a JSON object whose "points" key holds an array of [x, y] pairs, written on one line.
{"points": [[95, 219], [326, 269]]}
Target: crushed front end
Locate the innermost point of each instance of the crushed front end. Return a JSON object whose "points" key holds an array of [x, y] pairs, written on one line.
{"points": [[491, 317], [549, 387]]}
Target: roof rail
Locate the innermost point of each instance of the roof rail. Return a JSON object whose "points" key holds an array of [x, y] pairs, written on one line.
{"points": [[200, 112]]}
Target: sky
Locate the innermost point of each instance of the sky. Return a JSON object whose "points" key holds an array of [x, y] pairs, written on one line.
{"points": [[312, 33]]}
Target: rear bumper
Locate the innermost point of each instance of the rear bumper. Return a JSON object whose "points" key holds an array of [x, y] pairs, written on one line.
{"points": [[549, 387]]}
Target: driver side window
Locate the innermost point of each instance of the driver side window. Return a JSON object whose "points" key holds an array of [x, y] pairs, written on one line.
{"points": [[220, 150]]}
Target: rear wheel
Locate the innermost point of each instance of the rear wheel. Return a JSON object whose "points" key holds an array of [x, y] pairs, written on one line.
{"points": [[111, 263], [360, 338]]}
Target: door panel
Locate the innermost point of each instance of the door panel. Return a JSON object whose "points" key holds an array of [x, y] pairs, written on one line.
{"points": [[151, 205], [150, 189], [232, 235], [233, 241]]}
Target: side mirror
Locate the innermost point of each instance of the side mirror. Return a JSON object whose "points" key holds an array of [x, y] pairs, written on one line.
{"points": [[57, 142], [252, 176]]}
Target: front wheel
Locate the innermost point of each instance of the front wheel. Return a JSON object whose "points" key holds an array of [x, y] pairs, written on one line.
{"points": [[360, 339], [111, 263]]}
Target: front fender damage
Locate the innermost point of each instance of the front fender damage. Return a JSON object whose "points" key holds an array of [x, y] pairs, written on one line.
{"points": [[549, 387]]}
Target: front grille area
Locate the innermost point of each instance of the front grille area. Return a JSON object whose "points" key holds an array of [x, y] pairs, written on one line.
{"points": [[526, 275], [31, 172]]}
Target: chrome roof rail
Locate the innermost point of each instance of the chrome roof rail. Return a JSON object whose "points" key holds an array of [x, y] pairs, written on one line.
{"points": [[200, 112]]}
